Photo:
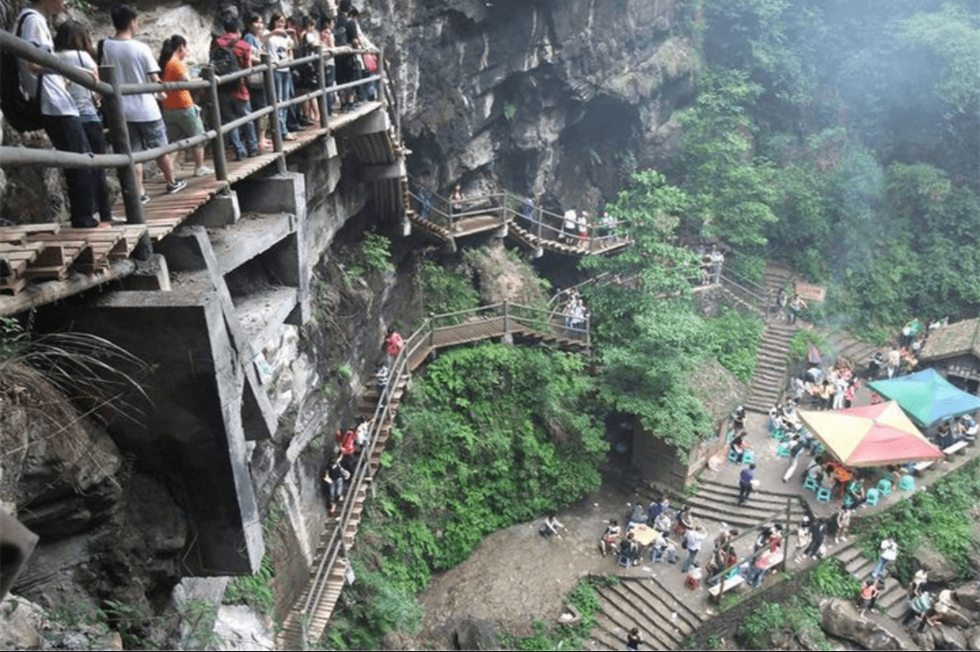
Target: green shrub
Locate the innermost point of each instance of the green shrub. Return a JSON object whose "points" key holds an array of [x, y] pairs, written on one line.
{"points": [[376, 253], [831, 578], [253, 590]]}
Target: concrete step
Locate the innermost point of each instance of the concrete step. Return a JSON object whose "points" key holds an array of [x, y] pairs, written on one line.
{"points": [[608, 634], [623, 615]]}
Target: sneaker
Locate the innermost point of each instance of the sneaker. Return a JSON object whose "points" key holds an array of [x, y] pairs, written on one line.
{"points": [[145, 199], [115, 219], [176, 186], [253, 154], [289, 137], [203, 171]]}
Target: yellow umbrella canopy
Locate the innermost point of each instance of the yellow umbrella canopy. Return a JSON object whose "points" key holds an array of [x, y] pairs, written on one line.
{"points": [[870, 435]]}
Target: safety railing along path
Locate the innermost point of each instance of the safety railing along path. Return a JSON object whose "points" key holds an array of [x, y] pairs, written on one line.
{"points": [[531, 226], [83, 258], [307, 620]]}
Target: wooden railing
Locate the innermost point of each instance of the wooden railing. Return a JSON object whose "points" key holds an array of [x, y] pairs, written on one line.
{"points": [[124, 159], [437, 331], [507, 207]]}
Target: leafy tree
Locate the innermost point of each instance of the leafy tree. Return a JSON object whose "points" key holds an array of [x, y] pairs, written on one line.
{"points": [[731, 191]]}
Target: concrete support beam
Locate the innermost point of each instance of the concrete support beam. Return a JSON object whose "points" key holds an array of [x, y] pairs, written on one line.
{"points": [[150, 274], [222, 210], [372, 123]]}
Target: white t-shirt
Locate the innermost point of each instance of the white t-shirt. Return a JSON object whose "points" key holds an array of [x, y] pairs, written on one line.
{"points": [[134, 64], [55, 99], [79, 94], [278, 47]]}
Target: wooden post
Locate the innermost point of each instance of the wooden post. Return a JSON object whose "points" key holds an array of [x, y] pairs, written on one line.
{"points": [[322, 73], [506, 316], [214, 115], [270, 95], [119, 137]]}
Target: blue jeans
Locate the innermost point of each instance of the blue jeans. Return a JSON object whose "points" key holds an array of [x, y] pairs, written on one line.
{"points": [[692, 555], [283, 86], [880, 567], [233, 108]]}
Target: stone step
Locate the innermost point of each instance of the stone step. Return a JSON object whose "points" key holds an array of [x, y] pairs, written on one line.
{"points": [[623, 614], [671, 615], [608, 633]]}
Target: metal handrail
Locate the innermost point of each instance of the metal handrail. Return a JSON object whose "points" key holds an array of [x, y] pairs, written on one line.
{"points": [[509, 207], [126, 160]]}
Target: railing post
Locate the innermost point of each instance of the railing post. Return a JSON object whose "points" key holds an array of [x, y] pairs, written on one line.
{"points": [[321, 71], [270, 93], [588, 330], [214, 114], [119, 137], [506, 316], [540, 220]]}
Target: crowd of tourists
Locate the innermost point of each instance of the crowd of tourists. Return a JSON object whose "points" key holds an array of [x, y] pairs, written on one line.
{"points": [[72, 118]]}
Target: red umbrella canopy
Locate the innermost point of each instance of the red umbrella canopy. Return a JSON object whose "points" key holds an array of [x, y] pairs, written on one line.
{"points": [[871, 435]]}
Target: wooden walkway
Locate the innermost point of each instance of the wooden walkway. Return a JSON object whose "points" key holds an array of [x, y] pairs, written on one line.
{"points": [[592, 247], [308, 619], [33, 253]]}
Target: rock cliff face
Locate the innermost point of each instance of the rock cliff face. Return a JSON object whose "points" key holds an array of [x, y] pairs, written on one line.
{"points": [[559, 98]]}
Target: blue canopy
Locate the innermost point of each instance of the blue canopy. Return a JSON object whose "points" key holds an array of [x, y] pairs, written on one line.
{"points": [[927, 397]]}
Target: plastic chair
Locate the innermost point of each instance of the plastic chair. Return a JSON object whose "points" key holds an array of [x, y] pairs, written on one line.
{"points": [[810, 483], [748, 457], [818, 449], [656, 555], [782, 450], [732, 456], [778, 433], [871, 499], [907, 483], [823, 494], [884, 486], [624, 560]]}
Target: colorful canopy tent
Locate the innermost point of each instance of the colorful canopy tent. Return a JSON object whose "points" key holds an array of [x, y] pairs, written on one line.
{"points": [[871, 435], [927, 397]]}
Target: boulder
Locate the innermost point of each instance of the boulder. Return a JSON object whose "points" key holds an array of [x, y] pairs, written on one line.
{"points": [[924, 640], [968, 597], [949, 638], [475, 635], [840, 619], [973, 638]]}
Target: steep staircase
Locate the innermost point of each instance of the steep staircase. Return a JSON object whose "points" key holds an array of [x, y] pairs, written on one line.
{"points": [[292, 635], [769, 378], [645, 603]]}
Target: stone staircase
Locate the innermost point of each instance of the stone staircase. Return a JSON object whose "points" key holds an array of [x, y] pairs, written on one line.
{"points": [[769, 378], [715, 502], [644, 603]]}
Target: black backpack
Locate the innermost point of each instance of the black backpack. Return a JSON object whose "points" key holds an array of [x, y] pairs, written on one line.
{"points": [[21, 111], [340, 35], [307, 74], [224, 61]]}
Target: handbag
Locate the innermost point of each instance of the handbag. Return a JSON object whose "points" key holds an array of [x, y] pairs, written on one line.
{"points": [[370, 62]]}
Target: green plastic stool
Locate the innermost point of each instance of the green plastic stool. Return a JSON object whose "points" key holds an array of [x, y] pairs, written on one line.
{"points": [[810, 483], [823, 494], [872, 498], [884, 486], [907, 483], [782, 450], [748, 457]]}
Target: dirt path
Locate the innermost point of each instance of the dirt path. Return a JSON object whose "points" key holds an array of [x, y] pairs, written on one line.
{"points": [[516, 576]]}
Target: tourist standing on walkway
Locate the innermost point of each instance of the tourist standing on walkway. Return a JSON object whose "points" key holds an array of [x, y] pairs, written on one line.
{"points": [[135, 65], [692, 541], [180, 115], [889, 553], [235, 101], [393, 344], [58, 111], [745, 480], [633, 639], [74, 47]]}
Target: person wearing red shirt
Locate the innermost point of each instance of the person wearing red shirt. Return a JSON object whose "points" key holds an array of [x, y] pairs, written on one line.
{"points": [[234, 102]]}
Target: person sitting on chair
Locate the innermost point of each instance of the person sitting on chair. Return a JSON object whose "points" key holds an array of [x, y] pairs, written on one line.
{"points": [[630, 549], [608, 539]]}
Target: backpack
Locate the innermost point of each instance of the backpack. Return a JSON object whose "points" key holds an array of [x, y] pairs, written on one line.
{"points": [[339, 35], [21, 111], [307, 73], [224, 61]]}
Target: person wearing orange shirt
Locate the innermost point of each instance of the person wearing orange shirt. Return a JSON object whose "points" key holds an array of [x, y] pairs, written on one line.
{"points": [[180, 115]]}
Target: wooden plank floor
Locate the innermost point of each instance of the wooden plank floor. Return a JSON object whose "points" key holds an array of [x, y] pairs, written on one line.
{"points": [[33, 253]]}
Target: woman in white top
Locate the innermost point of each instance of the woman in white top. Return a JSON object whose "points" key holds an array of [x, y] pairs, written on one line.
{"points": [[279, 45], [58, 111], [73, 45]]}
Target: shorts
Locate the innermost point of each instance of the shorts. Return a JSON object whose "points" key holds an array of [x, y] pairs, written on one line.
{"points": [[146, 135], [183, 123]]}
